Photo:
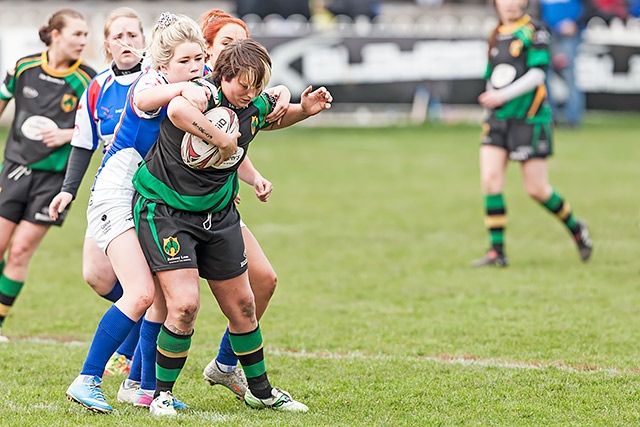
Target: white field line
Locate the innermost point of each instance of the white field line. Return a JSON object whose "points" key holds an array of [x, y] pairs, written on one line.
{"points": [[457, 360], [467, 360]]}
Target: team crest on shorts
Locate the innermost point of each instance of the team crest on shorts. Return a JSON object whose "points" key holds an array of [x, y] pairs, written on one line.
{"points": [[171, 246]]}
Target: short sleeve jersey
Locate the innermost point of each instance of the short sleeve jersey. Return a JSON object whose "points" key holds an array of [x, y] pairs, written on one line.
{"points": [[516, 49], [42, 93], [100, 108], [164, 177], [136, 132]]}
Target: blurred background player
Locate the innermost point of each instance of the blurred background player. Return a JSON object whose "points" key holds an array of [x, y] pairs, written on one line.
{"points": [[519, 127], [96, 119], [37, 147]]}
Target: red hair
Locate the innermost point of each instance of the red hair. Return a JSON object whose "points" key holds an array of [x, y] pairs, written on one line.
{"points": [[214, 20]]}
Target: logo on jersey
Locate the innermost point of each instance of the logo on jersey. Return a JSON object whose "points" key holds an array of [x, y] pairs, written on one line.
{"points": [[68, 102], [254, 124], [29, 92], [515, 48], [171, 246]]}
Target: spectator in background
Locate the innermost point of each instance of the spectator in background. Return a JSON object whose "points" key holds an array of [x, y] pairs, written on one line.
{"points": [[566, 20], [634, 8], [263, 8], [610, 9]]}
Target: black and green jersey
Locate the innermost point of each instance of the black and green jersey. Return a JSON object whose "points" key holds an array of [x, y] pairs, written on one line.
{"points": [[164, 178], [42, 93], [513, 50]]}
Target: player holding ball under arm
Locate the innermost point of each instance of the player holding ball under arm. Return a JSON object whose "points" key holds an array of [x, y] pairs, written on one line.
{"points": [[219, 29], [519, 128], [189, 227], [46, 88]]}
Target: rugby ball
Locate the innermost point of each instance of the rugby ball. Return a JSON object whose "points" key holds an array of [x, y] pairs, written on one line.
{"points": [[199, 154], [32, 127]]}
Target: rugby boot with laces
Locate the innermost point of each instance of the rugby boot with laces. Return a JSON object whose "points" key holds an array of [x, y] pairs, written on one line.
{"points": [[85, 390], [234, 381], [280, 400]]}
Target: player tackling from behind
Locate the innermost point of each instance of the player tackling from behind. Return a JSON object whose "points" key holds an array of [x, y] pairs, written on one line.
{"points": [[189, 227], [519, 127]]}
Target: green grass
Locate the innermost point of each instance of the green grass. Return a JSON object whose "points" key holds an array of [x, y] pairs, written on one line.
{"points": [[378, 319]]}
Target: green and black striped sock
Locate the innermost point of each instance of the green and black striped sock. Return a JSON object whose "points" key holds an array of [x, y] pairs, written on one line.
{"points": [[171, 355], [248, 348]]}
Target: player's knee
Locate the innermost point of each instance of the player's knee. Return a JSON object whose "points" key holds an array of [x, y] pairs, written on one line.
{"points": [[186, 312], [96, 282], [268, 283], [537, 193], [247, 307], [19, 254]]}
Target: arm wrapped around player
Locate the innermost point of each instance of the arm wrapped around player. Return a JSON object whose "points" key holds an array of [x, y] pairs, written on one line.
{"points": [[190, 119]]}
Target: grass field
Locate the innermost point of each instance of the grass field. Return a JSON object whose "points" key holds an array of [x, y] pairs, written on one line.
{"points": [[378, 319]]}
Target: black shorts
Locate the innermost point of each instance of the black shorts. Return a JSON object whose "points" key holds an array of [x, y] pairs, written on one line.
{"points": [[173, 239], [25, 194], [522, 140]]}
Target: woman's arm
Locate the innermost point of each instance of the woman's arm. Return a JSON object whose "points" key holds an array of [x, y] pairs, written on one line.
{"points": [[161, 95], [494, 98], [190, 119], [311, 103], [249, 174]]}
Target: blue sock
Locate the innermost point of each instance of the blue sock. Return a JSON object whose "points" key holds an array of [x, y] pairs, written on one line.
{"points": [[115, 293], [128, 347], [112, 330], [226, 356], [148, 338], [135, 374]]}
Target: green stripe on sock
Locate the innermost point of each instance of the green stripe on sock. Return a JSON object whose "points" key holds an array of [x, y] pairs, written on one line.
{"points": [[494, 201], [10, 287], [167, 375], [255, 370], [173, 344], [496, 236], [246, 343], [554, 202]]}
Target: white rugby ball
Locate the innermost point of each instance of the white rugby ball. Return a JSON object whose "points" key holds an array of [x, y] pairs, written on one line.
{"points": [[199, 154], [32, 127]]}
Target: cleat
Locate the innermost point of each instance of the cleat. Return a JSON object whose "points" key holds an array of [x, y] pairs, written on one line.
{"points": [[179, 405], [162, 406], [234, 381], [85, 390], [127, 393], [3, 338], [280, 401], [142, 399], [583, 240], [118, 364], [491, 258]]}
